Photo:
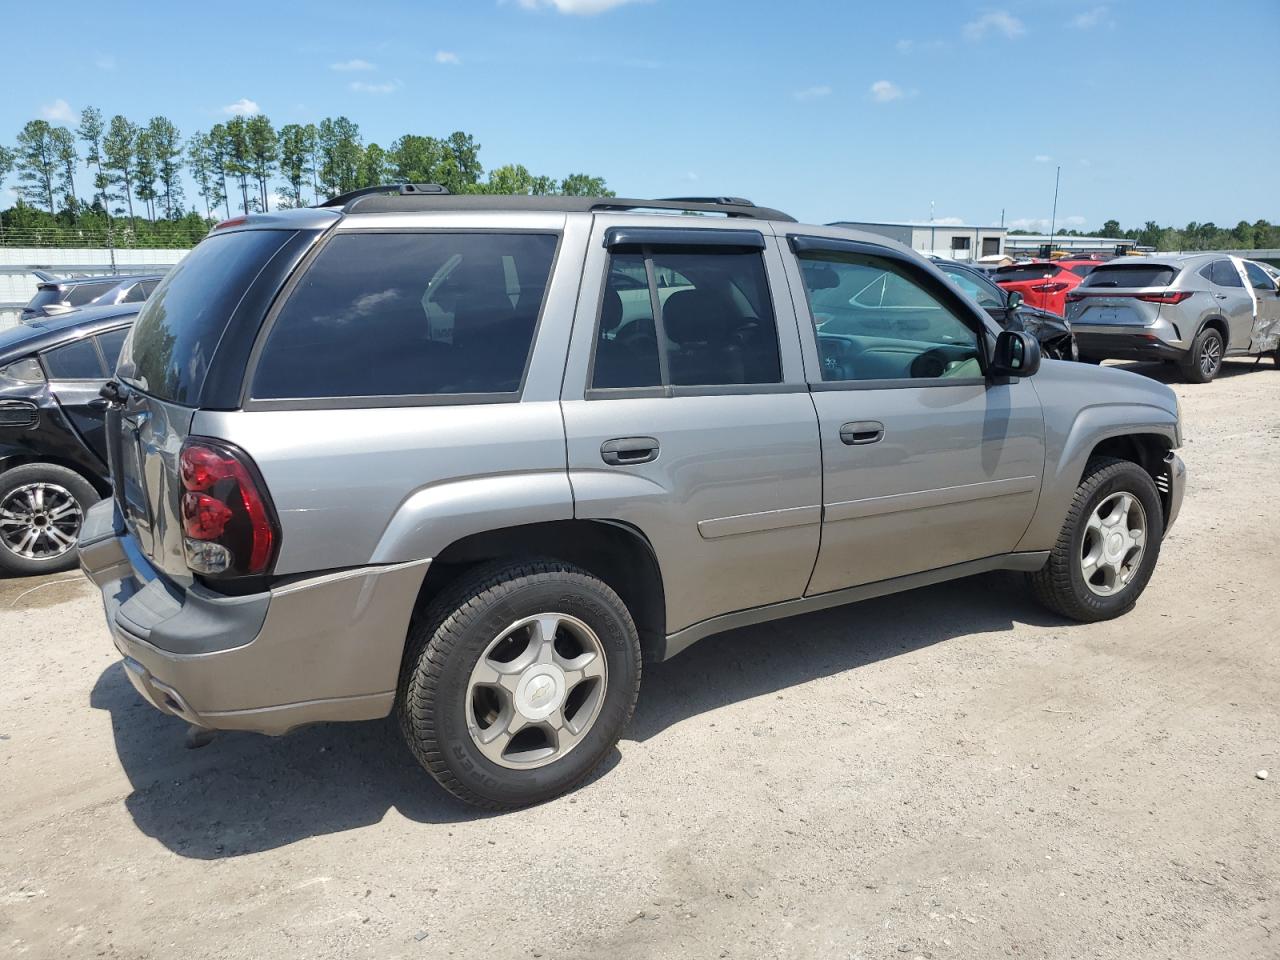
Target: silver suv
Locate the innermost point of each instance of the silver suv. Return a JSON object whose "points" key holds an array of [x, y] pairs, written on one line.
{"points": [[1191, 310], [474, 459]]}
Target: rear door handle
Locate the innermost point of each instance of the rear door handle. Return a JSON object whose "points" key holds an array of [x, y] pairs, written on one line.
{"points": [[861, 431], [1221, 296], [629, 450]]}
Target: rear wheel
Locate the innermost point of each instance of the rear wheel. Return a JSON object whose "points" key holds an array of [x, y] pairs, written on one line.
{"points": [[1108, 546], [518, 682], [42, 507], [1205, 359]]}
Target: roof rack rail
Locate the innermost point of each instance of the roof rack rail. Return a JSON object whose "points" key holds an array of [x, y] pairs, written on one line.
{"points": [[397, 200], [722, 201], [402, 189]]}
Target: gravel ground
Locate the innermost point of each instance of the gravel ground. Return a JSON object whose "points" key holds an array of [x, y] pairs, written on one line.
{"points": [[946, 773]]}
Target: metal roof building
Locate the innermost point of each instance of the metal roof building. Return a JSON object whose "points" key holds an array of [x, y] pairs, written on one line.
{"points": [[932, 238]]}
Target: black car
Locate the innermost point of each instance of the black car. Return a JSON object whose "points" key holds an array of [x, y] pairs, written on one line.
{"points": [[52, 447], [57, 295], [1054, 333]]}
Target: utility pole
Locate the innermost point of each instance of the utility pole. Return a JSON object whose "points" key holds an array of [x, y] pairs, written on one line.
{"points": [[1053, 220]]}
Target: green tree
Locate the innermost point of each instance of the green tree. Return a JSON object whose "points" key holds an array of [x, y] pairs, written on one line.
{"points": [[511, 179], [263, 148], [415, 159], [583, 185], [296, 160], [1111, 228], [37, 163], [373, 167], [64, 148], [204, 171], [90, 132], [236, 158], [218, 145], [340, 152], [144, 172], [166, 147], [460, 170], [7, 160], [119, 148], [313, 159]]}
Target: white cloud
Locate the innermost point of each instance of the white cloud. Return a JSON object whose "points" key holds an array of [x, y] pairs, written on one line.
{"points": [[994, 21], [691, 176], [1043, 158], [883, 91], [105, 62], [1041, 224], [391, 86], [917, 46], [59, 111], [448, 56], [1086, 162], [1073, 221], [1089, 18], [244, 107], [351, 66], [947, 222], [584, 8], [813, 93]]}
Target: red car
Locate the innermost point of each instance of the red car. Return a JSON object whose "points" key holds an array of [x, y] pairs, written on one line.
{"points": [[1045, 283]]}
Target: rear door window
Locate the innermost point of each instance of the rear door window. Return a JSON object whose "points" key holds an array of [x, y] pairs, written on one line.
{"points": [[180, 325], [83, 293], [74, 361], [1130, 275], [110, 343], [409, 314], [1258, 277], [717, 329], [1225, 274]]}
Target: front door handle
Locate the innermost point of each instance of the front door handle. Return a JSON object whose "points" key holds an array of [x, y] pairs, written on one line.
{"points": [[1221, 296], [628, 450], [861, 431]]}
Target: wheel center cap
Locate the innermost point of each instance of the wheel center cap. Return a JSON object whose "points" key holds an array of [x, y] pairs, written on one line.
{"points": [[540, 691], [1115, 545]]}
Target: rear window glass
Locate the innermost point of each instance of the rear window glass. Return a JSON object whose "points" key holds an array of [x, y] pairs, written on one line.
{"points": [[75, 361], [82, 293], [409, 314], [181, 323], [1025, 271], [1083, 269], [1130, 275]]}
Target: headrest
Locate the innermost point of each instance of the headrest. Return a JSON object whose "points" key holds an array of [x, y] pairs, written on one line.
{"points": [[611, 310], [698, 316]]}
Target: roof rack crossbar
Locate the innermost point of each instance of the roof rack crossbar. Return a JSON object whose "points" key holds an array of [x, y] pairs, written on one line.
{"points": [[723, 201], [403, 189]]}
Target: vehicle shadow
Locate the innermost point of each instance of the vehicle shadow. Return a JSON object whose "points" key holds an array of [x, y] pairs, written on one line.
{"points": [[245, 794], [1169, 373]]}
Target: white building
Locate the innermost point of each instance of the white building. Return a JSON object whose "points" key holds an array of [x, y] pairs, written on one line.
{"points": [[955, 242]]}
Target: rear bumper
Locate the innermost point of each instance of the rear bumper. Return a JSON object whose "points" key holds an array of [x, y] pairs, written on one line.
{"points": [[1126, 343], [319, 649]]}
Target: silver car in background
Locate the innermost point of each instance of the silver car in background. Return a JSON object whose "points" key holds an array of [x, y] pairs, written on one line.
{"points": [[1193, 310]]}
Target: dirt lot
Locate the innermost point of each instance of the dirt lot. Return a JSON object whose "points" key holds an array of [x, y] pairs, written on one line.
{"points": [[949, 773]]}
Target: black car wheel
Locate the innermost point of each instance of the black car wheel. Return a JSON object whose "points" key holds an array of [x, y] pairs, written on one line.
{"points": [[42, 507]]}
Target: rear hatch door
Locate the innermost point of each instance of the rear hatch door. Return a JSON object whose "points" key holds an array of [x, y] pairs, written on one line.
{"points": [[1121, 295], [188, 351]]}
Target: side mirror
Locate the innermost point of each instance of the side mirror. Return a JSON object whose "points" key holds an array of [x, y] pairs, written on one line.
{"points": [[1017, 355], [1015, 300]]}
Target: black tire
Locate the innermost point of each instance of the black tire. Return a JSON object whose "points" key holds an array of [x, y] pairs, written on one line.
{"points": [[11, 562], [447, 642], [1275, 355], [1193, 367], [1060, 584]]}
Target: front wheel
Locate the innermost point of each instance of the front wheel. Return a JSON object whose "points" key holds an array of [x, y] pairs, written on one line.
{"points": [[42, 506], [518, 681], [1108, 546]]}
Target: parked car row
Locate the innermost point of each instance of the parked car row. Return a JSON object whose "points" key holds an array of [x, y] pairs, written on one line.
{"points": [[55, 295]]}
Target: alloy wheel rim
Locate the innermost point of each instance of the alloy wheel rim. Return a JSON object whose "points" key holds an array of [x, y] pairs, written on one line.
{"points": [[1115, 540], [39, 521], [536, 691], [1210, 356]]}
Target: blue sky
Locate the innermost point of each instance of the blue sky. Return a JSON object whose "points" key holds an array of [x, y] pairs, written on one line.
{"points": [[838, 110]]}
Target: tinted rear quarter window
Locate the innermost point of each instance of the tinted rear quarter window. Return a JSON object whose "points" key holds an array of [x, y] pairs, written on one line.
{"points": [[1224, 274], [111, 342], [1131, 275], [181, 323], [45, 296], [82, 293], [1025, 271], [74, 361], [409, 314]]}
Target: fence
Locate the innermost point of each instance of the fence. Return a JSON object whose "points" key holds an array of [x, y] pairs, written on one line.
{"points": [[140, 236]]}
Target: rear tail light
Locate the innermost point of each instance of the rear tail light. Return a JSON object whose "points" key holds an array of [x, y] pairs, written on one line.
{"points": [[1171, 297], [1048, 287], [228, 224], [228, 522], [1074, 297]]}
